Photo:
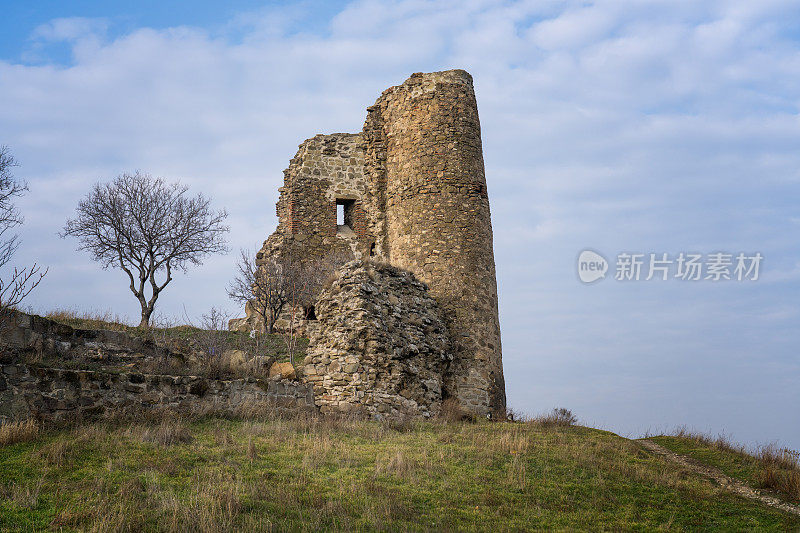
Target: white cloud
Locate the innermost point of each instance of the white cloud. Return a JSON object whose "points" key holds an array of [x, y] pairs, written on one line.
{"points": [[70, 29]]}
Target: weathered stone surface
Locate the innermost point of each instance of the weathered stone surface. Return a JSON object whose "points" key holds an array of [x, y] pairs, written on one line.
{"points": [[234, 359], [283, 370], [56, 394], [432, 217], [327, 170], [43, 392], [381, 346]]}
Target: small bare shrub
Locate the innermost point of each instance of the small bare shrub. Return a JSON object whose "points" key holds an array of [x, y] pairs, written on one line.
{"points": [[558, 417], [212, 339], [782, 458], [780, 470], [213, 335], [13, 432], [769, 477]]}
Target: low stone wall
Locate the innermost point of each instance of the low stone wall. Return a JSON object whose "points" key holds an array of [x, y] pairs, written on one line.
{"points": [[23, 335], [42, 393]]}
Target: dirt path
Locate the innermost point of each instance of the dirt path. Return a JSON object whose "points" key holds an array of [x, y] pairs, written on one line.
{"points": [[716, 475]]}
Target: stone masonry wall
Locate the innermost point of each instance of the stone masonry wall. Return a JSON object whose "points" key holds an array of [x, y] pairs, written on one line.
{"points": [[28, 391], [436, 220], [381, 346], [31, 390], [325, 168]]}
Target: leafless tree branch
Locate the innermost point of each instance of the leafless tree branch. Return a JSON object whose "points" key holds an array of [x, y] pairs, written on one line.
{"points": [[18, 283], [262, 287]]}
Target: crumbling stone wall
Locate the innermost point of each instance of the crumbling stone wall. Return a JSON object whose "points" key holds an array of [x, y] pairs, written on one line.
{"points": [[34, 390], [416, 172], [326, 169], [42, 393], [31, 336], [381, 346]]}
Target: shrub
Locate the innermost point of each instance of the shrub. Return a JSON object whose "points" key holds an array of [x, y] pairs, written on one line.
{"points": [[557, 417], [780, 470]]}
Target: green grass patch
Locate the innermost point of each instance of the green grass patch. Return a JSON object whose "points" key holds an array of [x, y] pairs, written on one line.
{"points": [[316, 474], [736, 464], [768, 467]]}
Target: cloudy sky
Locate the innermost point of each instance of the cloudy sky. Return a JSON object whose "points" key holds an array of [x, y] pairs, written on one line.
{"points": [[620, 126]]}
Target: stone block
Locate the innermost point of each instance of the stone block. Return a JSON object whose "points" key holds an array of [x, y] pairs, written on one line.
{"points": [[284, 370]]}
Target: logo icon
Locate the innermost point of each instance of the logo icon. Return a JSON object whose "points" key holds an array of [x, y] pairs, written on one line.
{"points": [[591, 266]]}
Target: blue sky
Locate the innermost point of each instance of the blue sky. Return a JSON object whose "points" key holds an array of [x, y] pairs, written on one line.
{"points": [[660, 127], [22, 18]]}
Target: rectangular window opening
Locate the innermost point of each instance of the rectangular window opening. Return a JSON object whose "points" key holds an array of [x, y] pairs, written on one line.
{"points": [[339, 214], [344, 215]]}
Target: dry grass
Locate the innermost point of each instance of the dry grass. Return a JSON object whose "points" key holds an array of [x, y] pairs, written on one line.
{"points": [[395, 463], [167, 433], [13, 432], [91, 319], [25, 494], [720, 442], [402, 424], [56, 453], [780, 470]]}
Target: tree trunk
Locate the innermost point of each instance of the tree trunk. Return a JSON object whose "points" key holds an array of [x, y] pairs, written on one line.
{"points": [[145, 323]]}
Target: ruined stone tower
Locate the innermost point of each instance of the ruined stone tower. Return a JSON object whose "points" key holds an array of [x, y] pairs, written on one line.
{"points": [[425, 160], [414, 192]]}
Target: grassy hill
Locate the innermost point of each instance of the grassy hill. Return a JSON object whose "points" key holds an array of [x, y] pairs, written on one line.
{"points": [[262, 473]]}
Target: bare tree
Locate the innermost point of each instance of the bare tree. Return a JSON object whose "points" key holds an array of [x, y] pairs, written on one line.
{"points": [[262, 287], [304, 281], [145, 226], [19, 282]]}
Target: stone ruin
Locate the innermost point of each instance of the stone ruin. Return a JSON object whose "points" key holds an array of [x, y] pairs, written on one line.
{"points": [[412, 192], [382, 346], [33, 387]]}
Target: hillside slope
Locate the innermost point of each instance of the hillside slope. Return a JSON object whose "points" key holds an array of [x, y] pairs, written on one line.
{"points": [[215, 474]]}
